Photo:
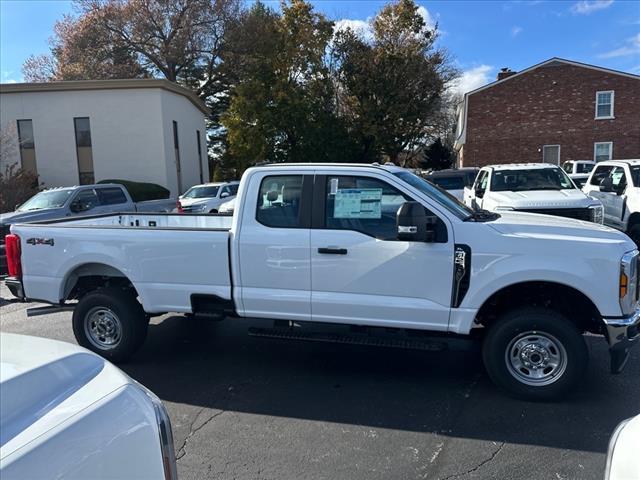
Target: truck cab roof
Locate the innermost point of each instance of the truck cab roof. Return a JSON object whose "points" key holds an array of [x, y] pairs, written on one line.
{"points": [[520, 166]]}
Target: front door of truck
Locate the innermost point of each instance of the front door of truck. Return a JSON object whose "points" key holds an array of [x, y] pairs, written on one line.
{"points": [[360, 272], [274, 259]]}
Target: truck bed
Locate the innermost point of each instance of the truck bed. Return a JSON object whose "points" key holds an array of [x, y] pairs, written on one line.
{"points": [[169, 258]]}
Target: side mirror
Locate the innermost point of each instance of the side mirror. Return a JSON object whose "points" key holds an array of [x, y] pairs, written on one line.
{"points": [[606, 185], [224, 194], [414, 225], [479, 192]]}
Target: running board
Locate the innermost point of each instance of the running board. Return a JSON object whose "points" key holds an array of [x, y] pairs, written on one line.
{"points": [[36, 311], [327, 337]]}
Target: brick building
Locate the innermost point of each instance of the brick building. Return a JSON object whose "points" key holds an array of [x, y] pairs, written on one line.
{"points": [[555, 111]]}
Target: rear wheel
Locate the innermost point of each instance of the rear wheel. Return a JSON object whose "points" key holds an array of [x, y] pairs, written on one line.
{"points": [[213, 211], [111, 323], [535, 353]]}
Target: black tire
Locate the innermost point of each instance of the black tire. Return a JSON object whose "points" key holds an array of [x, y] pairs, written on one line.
{"points": [[213, 211], [527, 342], [634, 233], [109, 306]]}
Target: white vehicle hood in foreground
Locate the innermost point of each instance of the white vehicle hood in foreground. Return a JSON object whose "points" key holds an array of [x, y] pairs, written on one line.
{"points": [[44, 382], [571, 198], [623, 462], [533, 225]]}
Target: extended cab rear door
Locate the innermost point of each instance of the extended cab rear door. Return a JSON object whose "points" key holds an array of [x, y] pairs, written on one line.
{"points": [[274, 259], [360, 272]]}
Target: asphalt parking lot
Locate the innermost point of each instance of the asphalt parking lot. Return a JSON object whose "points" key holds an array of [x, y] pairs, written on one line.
{"points": [[249, 408]]}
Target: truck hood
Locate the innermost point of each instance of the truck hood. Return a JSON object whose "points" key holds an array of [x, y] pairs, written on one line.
{"points": [[572, 198], [45, 382], [23, 217], [532, 225]]}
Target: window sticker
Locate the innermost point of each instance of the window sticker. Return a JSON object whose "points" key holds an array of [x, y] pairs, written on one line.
{"points": [[358, 203]]}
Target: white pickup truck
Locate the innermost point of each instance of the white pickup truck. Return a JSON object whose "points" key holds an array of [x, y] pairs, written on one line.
{"points": [[616, 183], [533, 188], [357, 246]]}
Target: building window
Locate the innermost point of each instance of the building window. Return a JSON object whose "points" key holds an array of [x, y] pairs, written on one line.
{"points": [[176, 149], [551, 154], [27, 146], [84, 150], [602, 151], [199, 155], [604, 104]]}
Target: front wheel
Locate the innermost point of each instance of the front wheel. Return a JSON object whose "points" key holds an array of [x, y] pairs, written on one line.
{"points": [[535, 353], [111, 323]]}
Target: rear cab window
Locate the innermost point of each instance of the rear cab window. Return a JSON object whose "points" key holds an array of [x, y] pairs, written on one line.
{"points": [[279, 202], [111, 196]]}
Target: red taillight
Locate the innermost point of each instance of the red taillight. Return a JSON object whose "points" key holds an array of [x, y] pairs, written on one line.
{"points": [[12, 250], [179, 207]]}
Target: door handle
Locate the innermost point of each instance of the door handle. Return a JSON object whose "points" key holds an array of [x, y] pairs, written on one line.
{"points": [[335, 251]]}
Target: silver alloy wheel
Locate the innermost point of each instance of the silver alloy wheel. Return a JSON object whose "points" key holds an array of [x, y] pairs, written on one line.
{"points": [[103, 328], [536, 358]]}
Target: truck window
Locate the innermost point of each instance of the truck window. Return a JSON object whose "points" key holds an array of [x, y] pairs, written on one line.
{"points": [[455, 182], [619, 178], [111, 196], [481, 182], [600, 174], [363, 204], [87, 198], [279, 201]]}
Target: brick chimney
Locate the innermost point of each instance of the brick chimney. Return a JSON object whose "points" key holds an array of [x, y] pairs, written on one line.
{"points": [[505, 72]]}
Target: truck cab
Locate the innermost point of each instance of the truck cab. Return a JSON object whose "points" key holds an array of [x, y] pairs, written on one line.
{"points": [[616, 183]]}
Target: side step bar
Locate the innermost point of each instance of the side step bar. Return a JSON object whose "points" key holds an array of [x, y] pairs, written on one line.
{"points": [[36, 311], [432, 345]]}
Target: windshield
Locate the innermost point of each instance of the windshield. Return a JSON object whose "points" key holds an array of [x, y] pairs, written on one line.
{"points": [[50, 199], [201, 192], [552, 178], [584, 167], [443, 198]]}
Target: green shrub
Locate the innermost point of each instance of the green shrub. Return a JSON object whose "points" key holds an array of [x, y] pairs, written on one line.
{"points": [[141, 191], [16, 187]]}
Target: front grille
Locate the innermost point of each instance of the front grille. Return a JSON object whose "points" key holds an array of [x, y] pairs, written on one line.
{"points": [[577, 213]]}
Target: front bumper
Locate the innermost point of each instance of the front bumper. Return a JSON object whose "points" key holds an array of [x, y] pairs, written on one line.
{"points": [[622, 334], [15, 287]]}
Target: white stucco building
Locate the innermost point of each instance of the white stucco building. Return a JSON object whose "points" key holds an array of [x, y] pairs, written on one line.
{"points": [[81, 132]]}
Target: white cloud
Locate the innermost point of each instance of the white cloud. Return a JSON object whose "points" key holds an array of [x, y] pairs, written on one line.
{"points": [[362, 27], [10, 81], [473, 78], [516, 30], [585, 7], [426, 16], [632, 47]]}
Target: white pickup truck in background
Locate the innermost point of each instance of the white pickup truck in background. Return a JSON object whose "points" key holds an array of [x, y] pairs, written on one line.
{"points": [[578, 170], [616, 183], [531, 188], [68, 413], [373, 250]]}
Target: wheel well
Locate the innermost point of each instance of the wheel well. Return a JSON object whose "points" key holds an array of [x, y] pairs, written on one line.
{"points": [[568, 301], [91, 276]]}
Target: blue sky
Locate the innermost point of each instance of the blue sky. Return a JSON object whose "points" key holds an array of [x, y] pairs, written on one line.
{"points": [[480, 36]]}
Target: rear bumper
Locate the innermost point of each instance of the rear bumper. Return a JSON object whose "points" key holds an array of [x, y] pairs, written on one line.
{"points": [[622, 334], [15, 287]]}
